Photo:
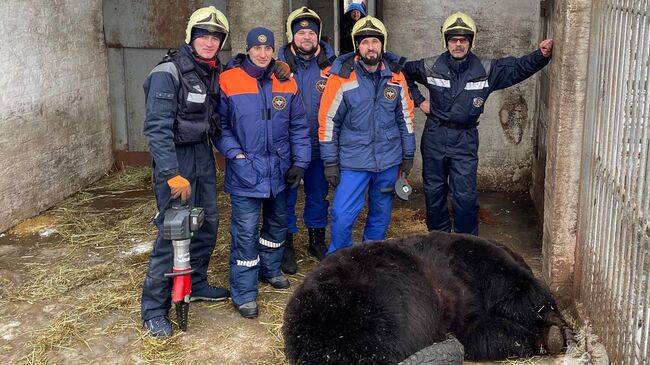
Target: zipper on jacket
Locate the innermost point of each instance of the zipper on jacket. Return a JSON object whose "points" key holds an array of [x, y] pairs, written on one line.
{"points": [[266, 116]]}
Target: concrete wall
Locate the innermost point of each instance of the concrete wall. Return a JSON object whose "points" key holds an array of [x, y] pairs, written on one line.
{"points": [[55, 122], [246, 15], [566, 116], [507, 27]]}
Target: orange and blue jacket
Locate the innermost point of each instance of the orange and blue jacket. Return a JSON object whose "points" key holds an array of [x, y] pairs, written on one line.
{"points": [[264, 119], [363, 126]]}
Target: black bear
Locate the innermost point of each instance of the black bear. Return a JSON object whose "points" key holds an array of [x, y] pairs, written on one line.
{"points": [[381, 302]]}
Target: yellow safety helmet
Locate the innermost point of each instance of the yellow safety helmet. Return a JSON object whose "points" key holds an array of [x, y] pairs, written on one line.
{"points": [[459, 24], [302, 12], [369, 26], [210, 19]]}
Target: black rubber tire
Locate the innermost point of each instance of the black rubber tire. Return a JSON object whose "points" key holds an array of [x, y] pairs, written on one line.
{"points": [[447, 352]]}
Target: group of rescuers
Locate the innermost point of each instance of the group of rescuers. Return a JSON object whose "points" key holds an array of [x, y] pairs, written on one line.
{"points": [[344, 122]]}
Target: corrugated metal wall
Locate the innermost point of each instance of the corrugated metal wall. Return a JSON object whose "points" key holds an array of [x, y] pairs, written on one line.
{"points": [[614, 241]]}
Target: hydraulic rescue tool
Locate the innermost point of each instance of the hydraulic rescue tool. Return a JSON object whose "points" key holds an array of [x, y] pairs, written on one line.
{"points": [[180, 222]]}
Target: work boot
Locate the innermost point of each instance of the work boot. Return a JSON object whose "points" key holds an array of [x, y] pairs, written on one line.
{"points": [[209, 293], [278, 282], [288, 257], [317, 243], [247, 310], [158, 326]]}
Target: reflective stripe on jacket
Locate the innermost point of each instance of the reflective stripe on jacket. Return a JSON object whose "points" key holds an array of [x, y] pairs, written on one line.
{"points": [[459, 96]]}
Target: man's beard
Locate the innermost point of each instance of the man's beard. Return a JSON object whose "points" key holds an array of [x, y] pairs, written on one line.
{"points": [[459, 58], [303, 52], [371, 61]]}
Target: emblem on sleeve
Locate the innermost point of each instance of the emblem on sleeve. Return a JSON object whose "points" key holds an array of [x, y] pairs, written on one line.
{"points": [[478, 101], [279, 102], [320, 86], [390, 93]]}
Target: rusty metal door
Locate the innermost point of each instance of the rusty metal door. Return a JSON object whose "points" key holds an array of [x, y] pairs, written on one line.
{"points": [[613, 258]]}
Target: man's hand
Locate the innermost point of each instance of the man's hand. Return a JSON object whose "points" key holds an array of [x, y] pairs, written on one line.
{"points": [[294, 175], [332, 174], [425, 107], [546, 47], [282, 71], [180, 187], [407, 165]]}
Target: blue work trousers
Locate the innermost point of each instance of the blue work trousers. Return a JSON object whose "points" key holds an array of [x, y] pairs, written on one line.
{"points": [[349, 198], [252, 253], [196, 164], [316, 203], [449, 164]]}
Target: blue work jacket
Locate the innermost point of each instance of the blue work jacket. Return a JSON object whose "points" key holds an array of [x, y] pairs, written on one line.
{"points": [[366, 120], [264, 119]]}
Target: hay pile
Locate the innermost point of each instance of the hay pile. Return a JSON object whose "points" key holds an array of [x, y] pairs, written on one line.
{"points": [[90, 281], [96, 275]]}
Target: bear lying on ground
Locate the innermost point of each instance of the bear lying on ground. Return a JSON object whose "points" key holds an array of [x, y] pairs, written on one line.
{"points": [[381, 302]]}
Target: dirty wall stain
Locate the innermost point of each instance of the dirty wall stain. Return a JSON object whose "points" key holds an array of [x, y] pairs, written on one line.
{"points": [[513, 116]]}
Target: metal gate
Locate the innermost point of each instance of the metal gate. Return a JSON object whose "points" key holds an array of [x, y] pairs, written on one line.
{"points": [[613, 272]]}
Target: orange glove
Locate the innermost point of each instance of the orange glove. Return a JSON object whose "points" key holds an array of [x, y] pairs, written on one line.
{"points": [[282, 71], [180, 187]]}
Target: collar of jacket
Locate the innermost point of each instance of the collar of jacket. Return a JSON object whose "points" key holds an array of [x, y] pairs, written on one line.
{"points": [[325, 56], [255, 71], [205, 66], [458, 67], [474, 67], [384, 70]]}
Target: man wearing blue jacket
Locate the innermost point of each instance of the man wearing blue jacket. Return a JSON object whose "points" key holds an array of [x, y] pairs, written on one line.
{"points": [[181, 96], [366, 133], [459, 83], [309, 59], [265, 141]]}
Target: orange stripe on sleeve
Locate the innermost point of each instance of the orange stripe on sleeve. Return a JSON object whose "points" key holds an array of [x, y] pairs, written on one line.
{"points": [[407, 102], [327, 101]]}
